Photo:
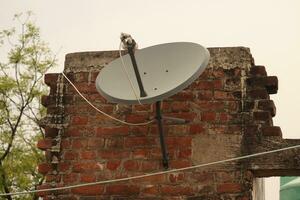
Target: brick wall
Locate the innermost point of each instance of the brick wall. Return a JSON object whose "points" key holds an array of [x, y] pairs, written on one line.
{"points": [[229, 114]]}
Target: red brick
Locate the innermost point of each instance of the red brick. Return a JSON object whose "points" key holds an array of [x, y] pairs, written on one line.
{"points": [[51, 132], [79, 143], [113, 164], [211, 105], [154, 130], [51, 78], [180, 141], [185, 153], [151, 190], [52, 110], [87, 166], [136, 118], [131, 165], [44, 168], [93, 76], [70, 155], [270, 83], [206, 74], [209, 84], [222, 95], [218, 84], [143, 108], [65, 144], [44, 144], [250, 131], [261, 116], [166, 106], [149, 165], [246, 197], [77, 109], [176, 177], [88, 155], [218, 73], [176, 190], [152, 179], [63, 166], [51, 178], [113, 154], [141, 153], [180, 107], [229, 188], [208, 116], [258, 70], [79, 120], [205, 95], [220, 129], [89, 190], [224, 117], [73, 132], [272, 131], [177, 130], [95, 143], [45, 100], [225, 176], [139, 141], [139, 130], [156, 153], [197, 129], [84, 88], [180, 163], [68, 100], [183, 96], [122, 190], [70, 178], [188, 116], [121, 130], [233, 83], [203, 177], [233, 105], [267, 105], [94, 98], [78, 77], [258, 94], [114, 143], [41, 187], [53, 89], [87, 178], [204, 85]]}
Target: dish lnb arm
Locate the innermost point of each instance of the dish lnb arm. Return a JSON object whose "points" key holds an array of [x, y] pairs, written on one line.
{"points": [[130, 45]]}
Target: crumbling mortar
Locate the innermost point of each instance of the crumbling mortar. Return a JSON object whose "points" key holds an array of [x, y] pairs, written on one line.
{"points": [[58, 120]]}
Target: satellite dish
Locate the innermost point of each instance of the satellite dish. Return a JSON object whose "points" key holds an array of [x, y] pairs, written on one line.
{"points": [[164, 69], [157, 72]]}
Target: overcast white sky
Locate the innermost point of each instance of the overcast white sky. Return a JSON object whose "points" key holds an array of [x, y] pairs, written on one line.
{"points": [[270, 28]]}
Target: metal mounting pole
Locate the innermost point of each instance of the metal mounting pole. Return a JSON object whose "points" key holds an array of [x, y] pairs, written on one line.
{"points": [[136, 70], [158, 117]]}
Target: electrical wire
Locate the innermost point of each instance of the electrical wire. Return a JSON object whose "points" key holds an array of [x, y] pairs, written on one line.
{"points": [[100, 111], [153, 174]]}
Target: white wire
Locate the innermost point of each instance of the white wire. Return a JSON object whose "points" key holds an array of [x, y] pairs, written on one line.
{"points": [[153, 174], [100, 111], [127, 75]]}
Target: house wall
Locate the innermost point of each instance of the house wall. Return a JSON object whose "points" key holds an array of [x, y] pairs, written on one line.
{"points": [[228, 109]]}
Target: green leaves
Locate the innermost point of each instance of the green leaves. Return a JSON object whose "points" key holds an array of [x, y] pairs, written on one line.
{"points": [[7, 84], [20, 109]]}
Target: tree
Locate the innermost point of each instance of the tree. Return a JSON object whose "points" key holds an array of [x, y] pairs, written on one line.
{"points": [[21, 86]]}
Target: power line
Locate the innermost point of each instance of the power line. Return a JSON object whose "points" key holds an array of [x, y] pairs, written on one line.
{"points": [[153, 174]]}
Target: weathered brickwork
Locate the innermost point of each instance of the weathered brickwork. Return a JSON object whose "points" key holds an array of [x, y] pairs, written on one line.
{"points": [[229, 113]]}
